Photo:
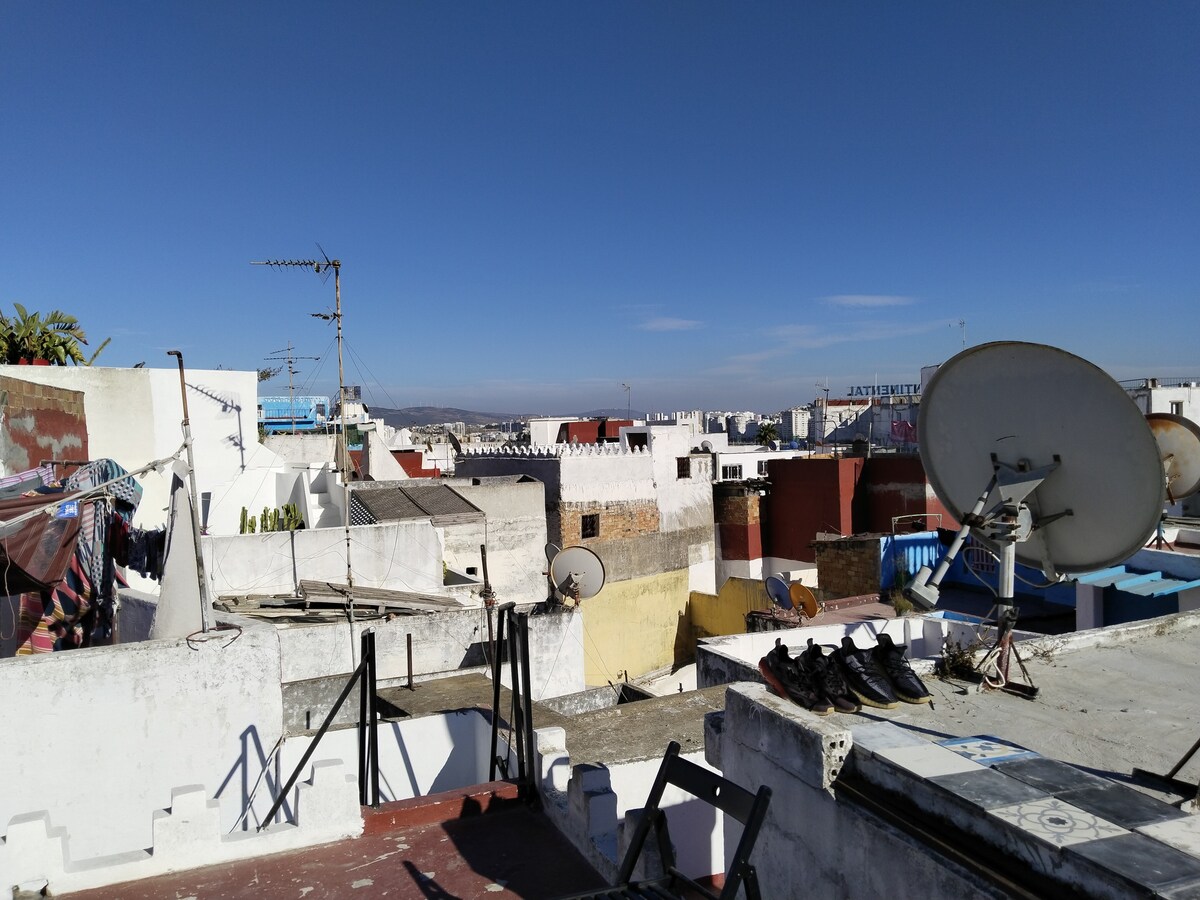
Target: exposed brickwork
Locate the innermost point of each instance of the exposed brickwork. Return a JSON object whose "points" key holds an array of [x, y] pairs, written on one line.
{"points": [[39, 422], [617, 520], [848, 567]]}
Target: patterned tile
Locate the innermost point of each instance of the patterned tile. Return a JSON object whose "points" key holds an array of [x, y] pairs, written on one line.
{"points": [[1121, 805], [1050, 775], [1143, 860], [987, 750], [988, 789], [928, 760], [1182, 833], [1056, 822]]}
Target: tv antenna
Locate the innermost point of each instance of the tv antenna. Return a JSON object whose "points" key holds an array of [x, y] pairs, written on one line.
{"points": [[1042, 458], [628, 402], [962, 324], [292, 372], [323, 267], [576, 573]]}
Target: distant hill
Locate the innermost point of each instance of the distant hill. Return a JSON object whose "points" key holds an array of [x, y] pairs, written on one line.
{"points": [[435, 415]]}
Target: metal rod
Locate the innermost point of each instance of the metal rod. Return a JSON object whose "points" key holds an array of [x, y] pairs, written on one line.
{"points": [[312, 747], [497, 649], [363, 713], [410, 677], [518, 722], [527, 714], [374, 712], [194, 499]]}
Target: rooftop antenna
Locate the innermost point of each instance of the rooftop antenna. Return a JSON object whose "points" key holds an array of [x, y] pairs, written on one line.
{"points": [[292, 371], [628, 405], [322, 267], [962, 324], [824, 409], [1044, 459]]}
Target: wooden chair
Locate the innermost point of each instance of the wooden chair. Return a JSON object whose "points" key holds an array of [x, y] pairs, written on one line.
{"points": [[731, 799]]}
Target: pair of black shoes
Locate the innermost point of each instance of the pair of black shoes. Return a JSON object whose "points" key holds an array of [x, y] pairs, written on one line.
{"points": [[881, 676], [812, 679]]}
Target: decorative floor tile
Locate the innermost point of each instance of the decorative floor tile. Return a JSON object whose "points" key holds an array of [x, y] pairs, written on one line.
{"points": [[1056, 822], [1143, 860], [987, 750], [1182, 833], [876, 736], [988, 789], [1121, 805], [1050, 775], [928, 760]]}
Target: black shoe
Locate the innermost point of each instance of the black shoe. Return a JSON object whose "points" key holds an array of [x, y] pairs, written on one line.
{"points": [[908, 686], [788, 680], [825, 674], [865, 676]]}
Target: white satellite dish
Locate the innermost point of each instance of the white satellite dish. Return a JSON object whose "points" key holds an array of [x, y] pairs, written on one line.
{"points": [[1043, 458], [1179, 449], [577, 573], [1004, 407], [706, 446]]}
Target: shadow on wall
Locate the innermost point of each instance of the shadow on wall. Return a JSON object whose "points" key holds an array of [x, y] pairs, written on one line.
{"points": [[252, 768], [237, 439]]}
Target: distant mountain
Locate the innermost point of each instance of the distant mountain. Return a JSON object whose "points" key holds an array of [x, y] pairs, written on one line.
{"points": [[436, 415]]}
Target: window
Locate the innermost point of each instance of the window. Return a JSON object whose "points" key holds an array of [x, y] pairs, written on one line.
{"points": [[731, 473], [589, 525], [1177, 408], [762, 467], [683, 467]]}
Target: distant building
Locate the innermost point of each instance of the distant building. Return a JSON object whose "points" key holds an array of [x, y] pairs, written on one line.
{"points": [[1177, 396], [304, 413]]}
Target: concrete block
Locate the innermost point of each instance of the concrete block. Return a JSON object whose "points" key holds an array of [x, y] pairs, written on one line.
{"points": [[714, 729], [328, 804], [812, 748], [33, 850], [192, 822], [554, 765]]}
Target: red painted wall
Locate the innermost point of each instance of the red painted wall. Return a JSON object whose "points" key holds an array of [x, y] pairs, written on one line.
{"points": [[42, 422], [897, 486]]}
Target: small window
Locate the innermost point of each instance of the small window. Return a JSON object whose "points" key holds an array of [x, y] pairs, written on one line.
{"points": [[762, 466], [731, 473], [1177, 408], [589, 525], [683, 467]]}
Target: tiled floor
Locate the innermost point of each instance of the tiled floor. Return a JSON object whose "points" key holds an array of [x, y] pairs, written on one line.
{"points": [[1057, 822]]}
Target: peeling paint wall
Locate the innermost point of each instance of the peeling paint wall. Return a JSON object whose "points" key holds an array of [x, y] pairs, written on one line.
{"points": [[635, 627], [39, 422]]}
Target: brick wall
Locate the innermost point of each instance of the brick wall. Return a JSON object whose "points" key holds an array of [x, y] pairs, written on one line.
{"points": [[737, 511], [848, 567], [39, 422], [617, 520]]}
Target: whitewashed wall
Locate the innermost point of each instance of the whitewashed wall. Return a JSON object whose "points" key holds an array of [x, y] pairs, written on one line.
{"points": [[402, 556]]}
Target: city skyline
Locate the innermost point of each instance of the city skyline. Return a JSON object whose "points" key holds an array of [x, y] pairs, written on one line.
{"points": [[537, 204]]}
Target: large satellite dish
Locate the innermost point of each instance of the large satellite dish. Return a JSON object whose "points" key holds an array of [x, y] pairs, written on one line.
{"points": [[778, 591], [577, 573], [1010, 409], [1179, 448]]}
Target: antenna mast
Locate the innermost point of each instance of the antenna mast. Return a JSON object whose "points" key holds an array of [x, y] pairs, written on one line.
{"points": [[292, 370], [323, 268]]}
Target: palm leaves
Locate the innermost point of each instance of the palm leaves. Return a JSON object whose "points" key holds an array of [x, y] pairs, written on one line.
{"points": [[55, 337], [767, 431]]}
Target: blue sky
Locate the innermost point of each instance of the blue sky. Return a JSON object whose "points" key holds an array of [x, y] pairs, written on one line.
{"points": [[718, 204]]}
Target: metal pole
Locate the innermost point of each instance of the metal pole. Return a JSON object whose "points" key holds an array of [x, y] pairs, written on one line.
{"points": [[363, 713], [527, 704], [345, 447], [408, 641], [518, 722], [374, 713], [205, 606], [497, 648]]}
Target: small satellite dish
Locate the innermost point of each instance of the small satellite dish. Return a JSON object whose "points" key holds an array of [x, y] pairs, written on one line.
{"points": [[577, 573], [1179, 448], [1019, 408], [773, 445], [777, 590], [454, 442], [706, 446], [552, 550], [803, 599]]}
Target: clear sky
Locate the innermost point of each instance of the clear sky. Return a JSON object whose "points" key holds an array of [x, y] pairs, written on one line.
{"points": [[719, 204]]}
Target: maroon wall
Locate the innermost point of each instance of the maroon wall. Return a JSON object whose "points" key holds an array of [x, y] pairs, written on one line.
{"points": [[42, 422]]}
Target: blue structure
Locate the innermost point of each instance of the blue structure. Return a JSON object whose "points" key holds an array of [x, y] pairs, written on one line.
{"points": [[276, 414]]}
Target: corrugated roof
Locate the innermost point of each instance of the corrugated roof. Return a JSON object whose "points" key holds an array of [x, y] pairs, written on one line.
{"points": [[436, 501]]}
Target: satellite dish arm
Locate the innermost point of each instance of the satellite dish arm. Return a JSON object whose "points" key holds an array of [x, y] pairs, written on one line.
{"points": [[923, 589]]}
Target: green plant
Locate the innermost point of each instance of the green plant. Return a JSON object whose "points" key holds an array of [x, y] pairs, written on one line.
{"points": [[958, 659], [767, 432], [55, 337]]}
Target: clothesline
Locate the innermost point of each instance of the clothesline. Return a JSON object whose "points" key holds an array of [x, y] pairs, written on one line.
{"points": [[50, 508]]}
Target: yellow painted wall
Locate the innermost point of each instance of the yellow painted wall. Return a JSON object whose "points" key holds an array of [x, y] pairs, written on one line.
{"points": [[637, 626], [725, 613]]}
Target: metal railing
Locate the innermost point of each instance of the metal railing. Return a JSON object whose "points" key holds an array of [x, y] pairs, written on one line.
{"points": [[368, 733], [521, 719]]}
